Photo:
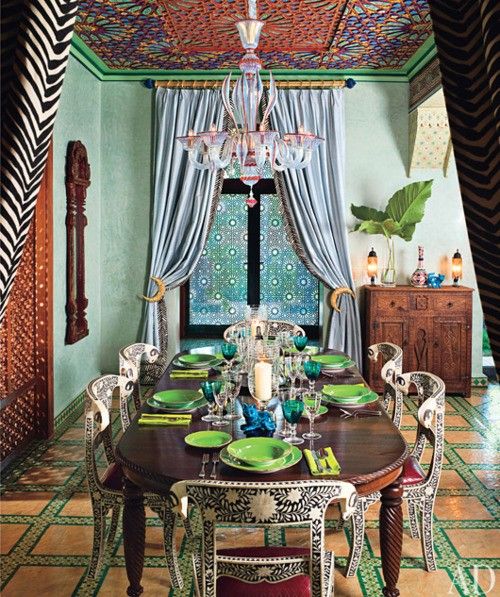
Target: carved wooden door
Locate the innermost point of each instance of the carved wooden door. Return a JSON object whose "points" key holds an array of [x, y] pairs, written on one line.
{"points": [[26, 401], [451, 357]]}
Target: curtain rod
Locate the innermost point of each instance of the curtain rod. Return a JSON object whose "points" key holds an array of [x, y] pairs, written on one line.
{"points": [[206, 84]]}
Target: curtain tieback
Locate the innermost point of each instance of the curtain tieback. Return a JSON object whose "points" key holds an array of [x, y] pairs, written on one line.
{"points": [[160, 293], [335, 295]]}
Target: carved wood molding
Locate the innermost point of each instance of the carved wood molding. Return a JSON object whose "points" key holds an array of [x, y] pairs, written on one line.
{"points": [[77, 182]]}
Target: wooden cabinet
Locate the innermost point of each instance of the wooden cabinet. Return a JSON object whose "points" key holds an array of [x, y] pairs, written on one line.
{"points": [[433, 327]]}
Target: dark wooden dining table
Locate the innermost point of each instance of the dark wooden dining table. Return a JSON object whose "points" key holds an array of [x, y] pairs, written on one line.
{"points": [[370, 449]]}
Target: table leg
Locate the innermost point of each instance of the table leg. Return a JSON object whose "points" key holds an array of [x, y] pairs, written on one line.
{"points": [[134, 536], [391, 536]]}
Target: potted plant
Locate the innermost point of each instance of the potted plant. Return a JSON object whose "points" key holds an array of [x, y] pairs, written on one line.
{"points": [[405, 209]]}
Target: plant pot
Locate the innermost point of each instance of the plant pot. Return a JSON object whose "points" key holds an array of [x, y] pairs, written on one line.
{"points": [[388, 277]]}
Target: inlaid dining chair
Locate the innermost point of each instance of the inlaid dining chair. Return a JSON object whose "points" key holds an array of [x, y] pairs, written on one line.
{"points": [[264, 571], [419, 487], [392, 366], [274, 326], [105, 489], [131, 358]]}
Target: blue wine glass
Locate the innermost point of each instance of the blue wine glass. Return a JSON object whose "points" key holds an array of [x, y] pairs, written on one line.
{"points": [[210, 389], [228, 352], [312, 369], [292, 411], [300, 342]]}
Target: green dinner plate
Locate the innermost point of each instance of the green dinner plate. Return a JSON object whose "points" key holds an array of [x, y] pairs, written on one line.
{"points": [[362, 400], [188, 407], [177, 398], [259, 450], [208, 439], [292, 459], [197, 360], [345, 392], [322, 411], [331, 361], [307, 350]]}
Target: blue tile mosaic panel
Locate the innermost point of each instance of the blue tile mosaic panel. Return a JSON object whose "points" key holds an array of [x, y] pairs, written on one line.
{"points": [[287, 288], [218, 287]]}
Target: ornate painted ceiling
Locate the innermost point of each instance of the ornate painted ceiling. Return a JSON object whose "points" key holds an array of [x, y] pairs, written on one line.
{"points": [[299, 34]]}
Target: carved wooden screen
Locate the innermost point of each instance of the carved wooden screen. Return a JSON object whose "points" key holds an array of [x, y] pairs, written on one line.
{"points": [[26, 401], [77, 182]]}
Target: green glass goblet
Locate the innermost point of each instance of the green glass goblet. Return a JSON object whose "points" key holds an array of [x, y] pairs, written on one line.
{"points": [[292, 411], [209, 389], [229, 351], [312, 369]]}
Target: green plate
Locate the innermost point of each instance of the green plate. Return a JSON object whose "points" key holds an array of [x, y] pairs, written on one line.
{"points": [[196, 359], [208, 439], [259, 450], [188, 407], [367, 399], [322, 411], [178, 398], [290, 460], [346, 392], [307, 350], [331, 361]]}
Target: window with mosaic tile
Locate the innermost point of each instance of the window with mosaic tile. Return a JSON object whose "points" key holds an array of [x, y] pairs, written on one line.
{"points": [[218, 289]]}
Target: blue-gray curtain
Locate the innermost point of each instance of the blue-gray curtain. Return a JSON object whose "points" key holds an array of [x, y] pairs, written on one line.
{"points": [[183, 196], [314, 204]]}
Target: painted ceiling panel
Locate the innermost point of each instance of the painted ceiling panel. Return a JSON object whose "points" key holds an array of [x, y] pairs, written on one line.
{"points": [[299, 34]]}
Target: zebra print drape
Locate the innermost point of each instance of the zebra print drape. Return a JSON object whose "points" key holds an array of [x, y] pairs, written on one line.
{"points": [[467, 36], [36, 36]]}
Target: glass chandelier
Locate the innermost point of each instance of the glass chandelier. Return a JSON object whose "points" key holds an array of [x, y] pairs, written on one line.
{"points": [[249, 143]]}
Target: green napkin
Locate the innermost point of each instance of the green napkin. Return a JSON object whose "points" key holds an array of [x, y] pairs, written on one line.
{"points": [[164, 422], [182, 374], [329, 462]]}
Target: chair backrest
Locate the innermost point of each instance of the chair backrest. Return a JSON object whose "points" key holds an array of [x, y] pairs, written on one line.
{"points": [[263, 504], [130, 366], [431, 393], [98, 423], [392, 366], [273, 327]]}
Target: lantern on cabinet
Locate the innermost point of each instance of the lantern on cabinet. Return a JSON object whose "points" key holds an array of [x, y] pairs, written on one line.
{"points": [[372, 266], [456, 267]]}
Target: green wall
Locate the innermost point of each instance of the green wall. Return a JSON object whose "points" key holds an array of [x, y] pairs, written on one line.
{"points": [[126, 160], [78, 118]]}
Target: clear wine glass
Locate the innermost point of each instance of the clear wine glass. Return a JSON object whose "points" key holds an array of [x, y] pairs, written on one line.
{"points": [[233, 382], [220, 400], [312, 403]]}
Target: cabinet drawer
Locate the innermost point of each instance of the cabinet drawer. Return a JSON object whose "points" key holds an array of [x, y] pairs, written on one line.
{"points": [[451, 304], [391, 303]]}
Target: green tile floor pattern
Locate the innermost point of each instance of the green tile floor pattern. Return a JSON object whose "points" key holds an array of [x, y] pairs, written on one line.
{"points": [[482, 416]]}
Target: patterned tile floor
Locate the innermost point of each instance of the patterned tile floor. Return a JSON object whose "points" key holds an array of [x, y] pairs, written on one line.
{"points": [[46, 521]]}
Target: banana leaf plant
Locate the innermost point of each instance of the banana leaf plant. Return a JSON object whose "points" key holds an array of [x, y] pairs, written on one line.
{"points": [[405, 209]]}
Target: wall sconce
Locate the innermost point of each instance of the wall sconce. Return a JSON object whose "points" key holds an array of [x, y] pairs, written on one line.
{"points": [[456, 267], [372, 266]]}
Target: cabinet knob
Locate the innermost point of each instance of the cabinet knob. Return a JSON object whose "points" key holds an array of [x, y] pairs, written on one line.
{"points": [[392, 304], [436, 343], [450, 304]]}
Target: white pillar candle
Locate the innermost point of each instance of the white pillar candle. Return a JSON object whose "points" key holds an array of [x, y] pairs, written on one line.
{"points": [[263, 381]]}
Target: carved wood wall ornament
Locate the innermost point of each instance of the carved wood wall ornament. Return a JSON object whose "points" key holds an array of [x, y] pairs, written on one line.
{"points": [[77, 182]]}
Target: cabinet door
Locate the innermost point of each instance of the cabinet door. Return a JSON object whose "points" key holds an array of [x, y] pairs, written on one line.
{"points": [[395, 330], [451, 354], [418, 355]]}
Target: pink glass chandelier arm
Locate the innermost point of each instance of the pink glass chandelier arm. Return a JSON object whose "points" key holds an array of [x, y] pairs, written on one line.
{"points": [[226, 98], [272, 99], [218, 159], [203, 165], [237, 98]]}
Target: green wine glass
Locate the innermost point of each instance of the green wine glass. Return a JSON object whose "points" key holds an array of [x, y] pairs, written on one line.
{"points": [[229, 351], [312, 369], [292, 411], [209, 389]]}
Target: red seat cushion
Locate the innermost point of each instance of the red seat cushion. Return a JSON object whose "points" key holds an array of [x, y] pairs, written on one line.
{"points": [[412, 472], [298, 586], [113, 477]]}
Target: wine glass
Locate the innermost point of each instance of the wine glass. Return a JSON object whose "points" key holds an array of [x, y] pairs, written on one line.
{"points": [[312, 402], [292, 411], [221, 399], [291, 367], [312, 369], [207, 387], [228, 352], [300, 342], [233, 383], [283, 396]]}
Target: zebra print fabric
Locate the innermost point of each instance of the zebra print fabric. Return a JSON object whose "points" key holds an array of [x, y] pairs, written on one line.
{"points": [[467, 36], [36, 36]]}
